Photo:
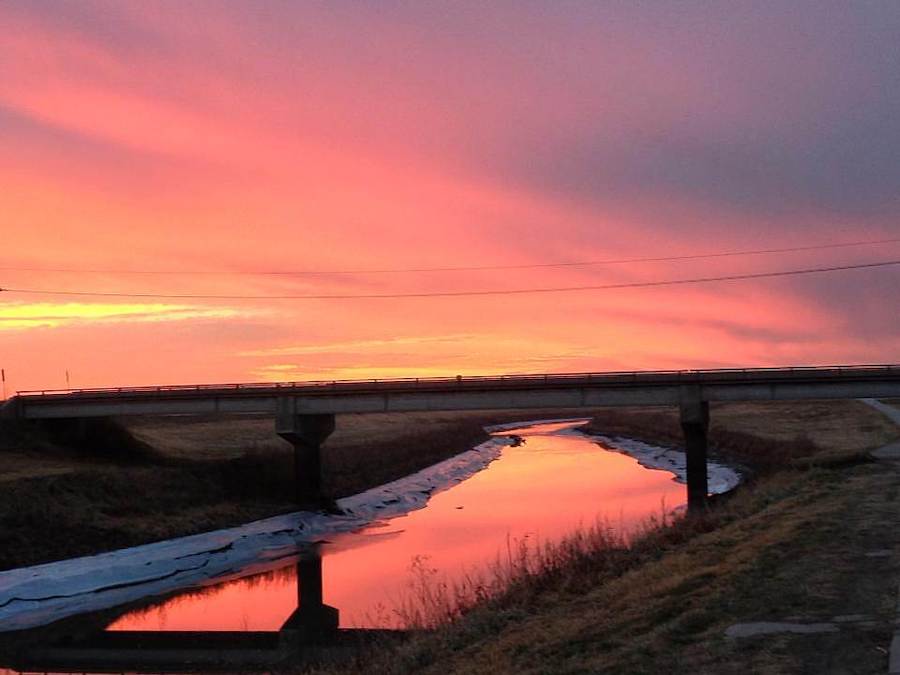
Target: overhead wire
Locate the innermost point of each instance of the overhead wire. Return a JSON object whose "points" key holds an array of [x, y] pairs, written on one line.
{"points": [[464, 268], [455, 294]]}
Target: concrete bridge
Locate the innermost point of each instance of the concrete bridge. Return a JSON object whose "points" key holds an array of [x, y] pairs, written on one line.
{"points": [[305, 411]]}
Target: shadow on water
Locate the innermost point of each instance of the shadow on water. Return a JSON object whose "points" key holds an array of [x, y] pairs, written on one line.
{"points": [[311, 634]]}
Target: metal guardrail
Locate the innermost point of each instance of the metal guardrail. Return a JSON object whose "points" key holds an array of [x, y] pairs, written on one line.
{"points": [[466, 382]]}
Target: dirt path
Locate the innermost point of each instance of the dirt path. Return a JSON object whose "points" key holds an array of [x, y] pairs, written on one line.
{"points": [[839, 602], [889, 411], [890, 454]]}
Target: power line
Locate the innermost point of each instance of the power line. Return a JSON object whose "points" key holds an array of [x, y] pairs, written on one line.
{"points": [[457, 294], [472, 268]]}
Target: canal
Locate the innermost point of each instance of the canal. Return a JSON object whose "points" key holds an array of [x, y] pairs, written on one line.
{"points": [[551, 480]]}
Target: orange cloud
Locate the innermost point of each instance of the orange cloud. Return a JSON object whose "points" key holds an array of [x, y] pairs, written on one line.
{"points": [[20, 316], [217, 141]]}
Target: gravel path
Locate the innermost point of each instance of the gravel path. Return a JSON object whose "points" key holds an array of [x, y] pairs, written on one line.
{"points": [[890, 452]]}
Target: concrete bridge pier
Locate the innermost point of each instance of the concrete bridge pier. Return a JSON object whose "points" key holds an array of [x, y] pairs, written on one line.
{"points": [[306, 433], [695, 425]]}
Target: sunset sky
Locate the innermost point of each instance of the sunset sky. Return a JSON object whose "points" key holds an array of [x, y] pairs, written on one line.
{"points": [[206, 145]]}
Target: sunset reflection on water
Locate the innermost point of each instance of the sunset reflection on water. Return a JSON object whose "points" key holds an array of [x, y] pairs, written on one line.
{"points": [[539, 490]]}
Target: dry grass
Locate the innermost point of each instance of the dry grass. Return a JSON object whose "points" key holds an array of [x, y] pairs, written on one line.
{"points": [[525, 566], [791, 544], [227, 437], [179, 476], [158, 478], [364, 451], [831, 426], [794, 543], [767, 436]]}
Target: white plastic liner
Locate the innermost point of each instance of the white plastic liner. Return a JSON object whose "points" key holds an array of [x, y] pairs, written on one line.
{"points": [[34, 596], [721, 478], [38, 595]]}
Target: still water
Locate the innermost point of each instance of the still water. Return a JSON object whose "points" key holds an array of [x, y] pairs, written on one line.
{"points": [[538, 490]]}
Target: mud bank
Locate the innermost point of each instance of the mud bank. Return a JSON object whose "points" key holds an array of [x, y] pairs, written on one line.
{"points": [[34, 596]]}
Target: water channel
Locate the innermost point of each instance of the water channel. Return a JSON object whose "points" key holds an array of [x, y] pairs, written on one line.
{"points": [[553, 480]]}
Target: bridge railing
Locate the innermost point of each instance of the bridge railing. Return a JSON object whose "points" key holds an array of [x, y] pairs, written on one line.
{"points": [[470, 381]]}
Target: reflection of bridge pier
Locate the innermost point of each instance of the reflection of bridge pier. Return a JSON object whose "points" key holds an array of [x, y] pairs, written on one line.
{"points": [[310, 633], [312, 617]]}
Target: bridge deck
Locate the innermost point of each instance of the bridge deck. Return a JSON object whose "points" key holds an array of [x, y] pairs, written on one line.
{"points": [[552, 390]]}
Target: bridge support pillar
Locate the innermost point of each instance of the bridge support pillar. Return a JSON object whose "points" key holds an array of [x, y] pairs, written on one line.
{"points": [[695, 425], [306, 433]]}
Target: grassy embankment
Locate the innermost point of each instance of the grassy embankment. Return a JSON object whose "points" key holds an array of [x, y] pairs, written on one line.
{"points": [[157, 478], [812, 537], [792, 543]]}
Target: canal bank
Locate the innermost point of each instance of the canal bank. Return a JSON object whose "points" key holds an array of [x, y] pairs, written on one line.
{"points": [[745, 588], [170, 477], [197, 475], [846, 431], [532, 483], [526, 486]]}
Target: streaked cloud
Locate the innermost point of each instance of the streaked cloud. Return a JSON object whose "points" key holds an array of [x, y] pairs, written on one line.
{"points": [[393, 344], [20, 316], [210, 136]]}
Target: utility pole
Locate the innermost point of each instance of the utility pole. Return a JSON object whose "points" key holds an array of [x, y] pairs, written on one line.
{"points": [[3, 378], [67, 379]]}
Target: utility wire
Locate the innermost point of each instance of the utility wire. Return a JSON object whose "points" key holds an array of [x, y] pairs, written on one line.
{"points": [[458, 294], [473, 268]]}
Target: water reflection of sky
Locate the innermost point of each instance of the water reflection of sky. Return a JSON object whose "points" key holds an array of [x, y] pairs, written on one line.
{"points": [[541, 489]]}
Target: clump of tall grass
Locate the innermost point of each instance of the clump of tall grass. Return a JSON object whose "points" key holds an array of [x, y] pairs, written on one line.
{"points": [[756, 453], [530, 579], [522, 570]]}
